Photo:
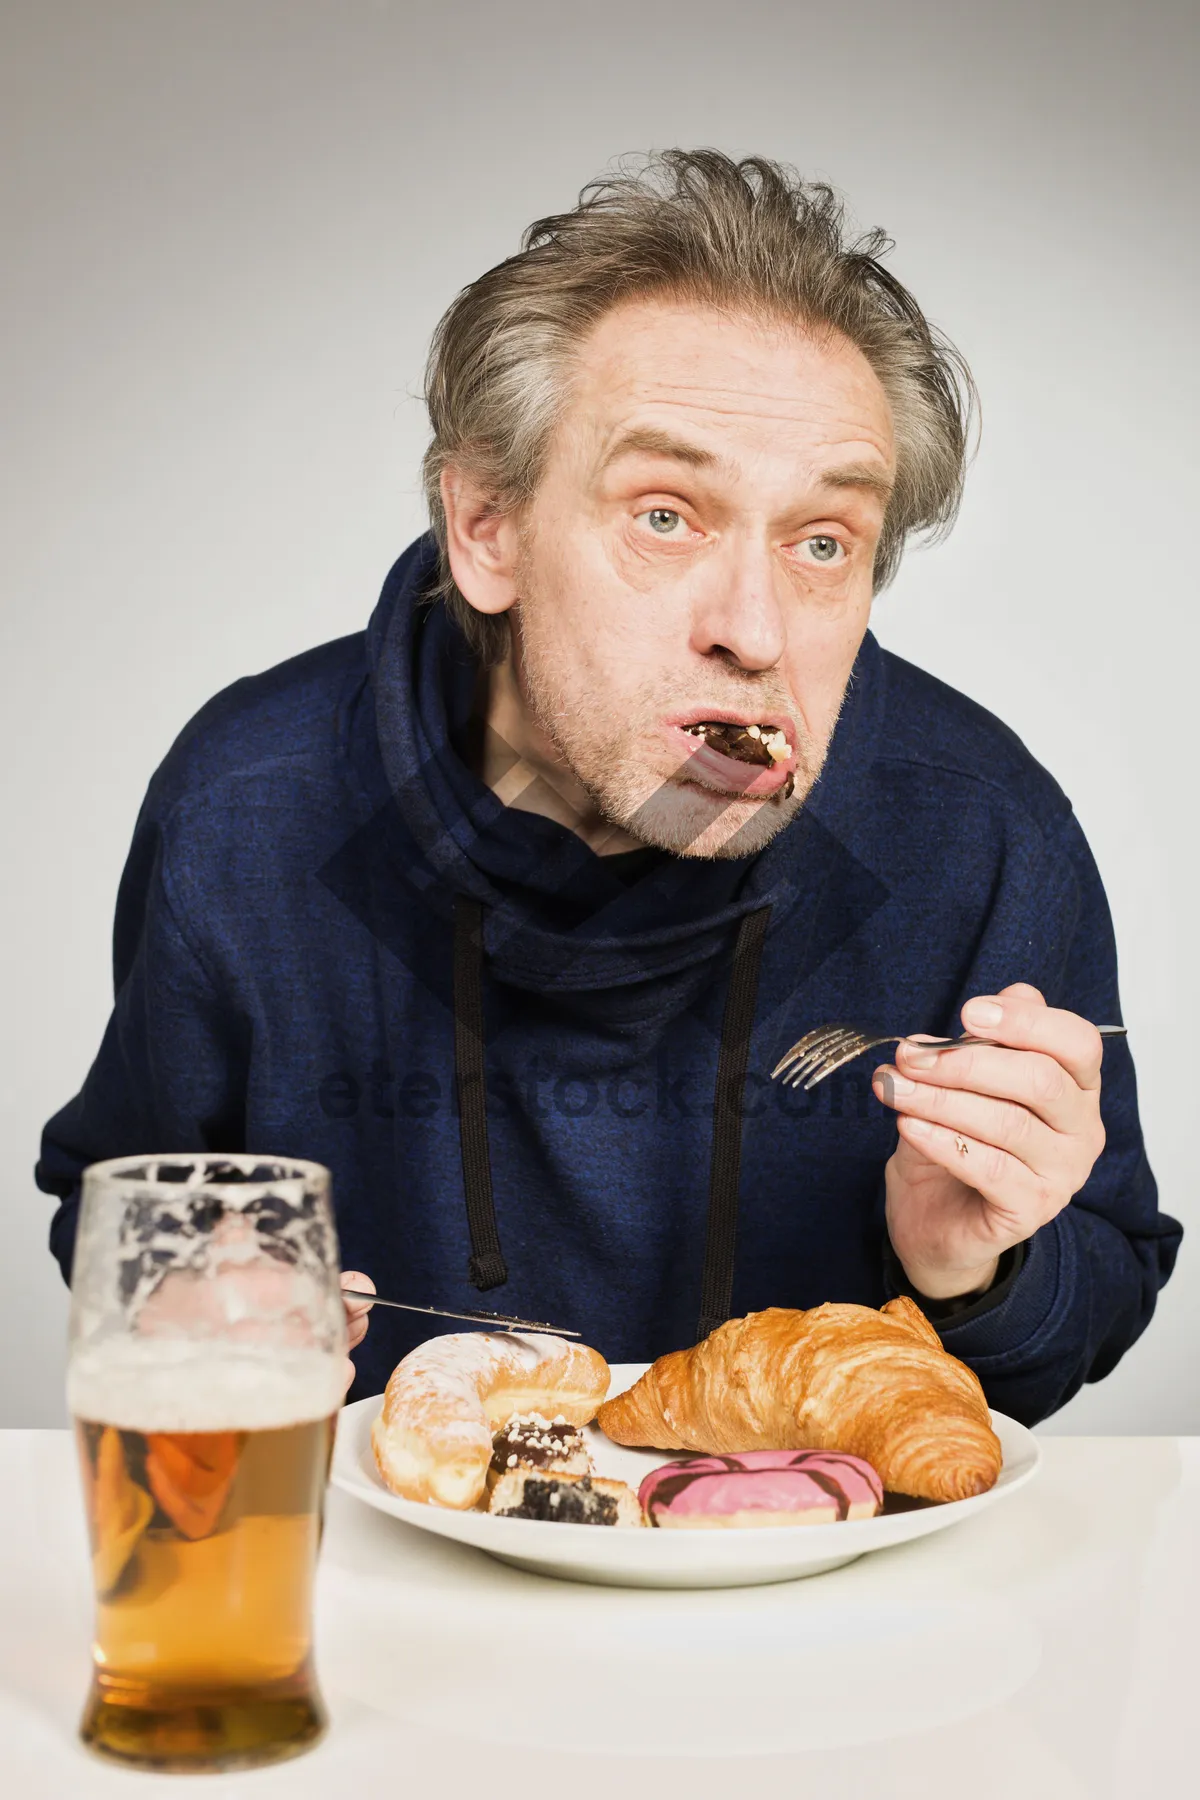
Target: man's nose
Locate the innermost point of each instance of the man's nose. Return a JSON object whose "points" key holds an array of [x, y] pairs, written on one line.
{"points": [[738, 612]]}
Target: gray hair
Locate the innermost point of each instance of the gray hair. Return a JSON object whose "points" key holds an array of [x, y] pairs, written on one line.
{"points": [[748, 236]]}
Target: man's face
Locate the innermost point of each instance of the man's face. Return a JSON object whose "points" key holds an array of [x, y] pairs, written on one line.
{"points": [[699, 554]]}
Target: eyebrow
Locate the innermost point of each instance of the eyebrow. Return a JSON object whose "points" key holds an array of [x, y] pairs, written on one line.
{"points": [[860, 475], [646, 440]]}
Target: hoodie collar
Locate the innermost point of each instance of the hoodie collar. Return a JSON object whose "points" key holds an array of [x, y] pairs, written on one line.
{"points": [[555, 917]]}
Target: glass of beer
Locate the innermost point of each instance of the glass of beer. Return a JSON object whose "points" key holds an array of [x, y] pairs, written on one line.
{"points": [[204, 1378]]}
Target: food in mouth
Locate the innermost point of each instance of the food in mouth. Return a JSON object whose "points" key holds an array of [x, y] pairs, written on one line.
{"points": [[761, 1488], [765, 745], [565, 1499]]}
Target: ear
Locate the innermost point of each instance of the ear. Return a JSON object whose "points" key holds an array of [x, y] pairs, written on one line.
{"points": [[481, 542]]}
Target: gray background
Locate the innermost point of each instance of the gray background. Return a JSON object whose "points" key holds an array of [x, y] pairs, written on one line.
{"points": [[228, 230]]}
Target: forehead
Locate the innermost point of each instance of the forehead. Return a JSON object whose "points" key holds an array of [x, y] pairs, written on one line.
{"points": [[741, 387]]}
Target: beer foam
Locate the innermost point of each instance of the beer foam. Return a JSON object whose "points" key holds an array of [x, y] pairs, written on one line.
{"points": [[164, 1385]]}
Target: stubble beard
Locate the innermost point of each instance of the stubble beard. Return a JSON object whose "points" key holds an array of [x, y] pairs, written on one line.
{"points": [[674, 812]]}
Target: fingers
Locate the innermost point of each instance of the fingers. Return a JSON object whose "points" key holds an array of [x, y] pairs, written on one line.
{"points": [[998, 1123], [354, 1278], [356, 1310], [1020, 1019], [1027, 1078], [1019, 1200]]}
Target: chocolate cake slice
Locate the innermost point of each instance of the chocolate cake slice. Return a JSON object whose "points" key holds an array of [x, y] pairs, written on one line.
{"points": [[565, 1499], [546, 1446], [529, 1441]]}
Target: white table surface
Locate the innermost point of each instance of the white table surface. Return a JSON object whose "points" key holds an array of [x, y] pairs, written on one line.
{"points": [[1047, 1648]]}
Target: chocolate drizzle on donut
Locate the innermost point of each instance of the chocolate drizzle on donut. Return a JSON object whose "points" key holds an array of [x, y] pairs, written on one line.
{"points": [[671, 1486]]}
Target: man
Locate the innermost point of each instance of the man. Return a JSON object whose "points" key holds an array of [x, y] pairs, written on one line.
{"points": [[506, 908]]}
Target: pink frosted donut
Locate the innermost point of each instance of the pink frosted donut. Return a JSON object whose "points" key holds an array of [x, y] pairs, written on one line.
{"points": [[761, 1487]]}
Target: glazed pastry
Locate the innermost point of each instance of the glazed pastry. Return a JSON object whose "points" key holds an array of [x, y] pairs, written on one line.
{"points": [[446, 1400], [761, 1487], [877, 1385], [548, 1446], [565, 1499]]}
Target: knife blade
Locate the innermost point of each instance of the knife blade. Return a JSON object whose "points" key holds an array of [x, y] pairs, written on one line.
{"points": [[497, 1321]]}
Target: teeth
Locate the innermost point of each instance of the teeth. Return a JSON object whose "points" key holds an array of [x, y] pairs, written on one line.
{"points": [[773, 740]]}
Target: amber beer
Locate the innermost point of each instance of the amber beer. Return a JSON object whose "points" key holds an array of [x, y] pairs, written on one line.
{"points": [[205, 1369], [204, 1546]]}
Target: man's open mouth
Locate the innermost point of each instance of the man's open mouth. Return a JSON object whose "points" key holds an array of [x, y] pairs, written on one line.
{"points": [[765, 745]]}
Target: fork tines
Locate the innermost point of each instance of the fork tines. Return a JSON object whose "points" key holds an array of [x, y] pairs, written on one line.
{"points": [[815, 1048], [822, 1052]]}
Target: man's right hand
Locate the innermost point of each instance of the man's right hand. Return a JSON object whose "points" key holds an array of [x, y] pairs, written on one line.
{"points": [[356, 1314]]}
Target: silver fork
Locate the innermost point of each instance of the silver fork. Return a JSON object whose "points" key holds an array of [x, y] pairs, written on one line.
{"points": [[819, 1053]]}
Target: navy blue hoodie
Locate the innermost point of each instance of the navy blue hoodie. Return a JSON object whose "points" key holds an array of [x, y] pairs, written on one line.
{"points": [[283, 965]]}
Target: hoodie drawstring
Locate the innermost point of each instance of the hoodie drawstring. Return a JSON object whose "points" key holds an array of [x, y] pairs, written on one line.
{"points": [[487, 1268], [725, 1169]]}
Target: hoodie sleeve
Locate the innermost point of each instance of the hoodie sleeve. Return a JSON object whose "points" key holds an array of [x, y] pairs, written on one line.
{"points": [[171, 1070], [1086, 1285]]}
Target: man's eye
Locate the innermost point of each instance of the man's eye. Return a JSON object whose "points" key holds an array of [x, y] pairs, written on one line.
{"points": [[664, 521], [823, 549]]}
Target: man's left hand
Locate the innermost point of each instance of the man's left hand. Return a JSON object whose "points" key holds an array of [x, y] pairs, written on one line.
{"points": [[994, 1138]]}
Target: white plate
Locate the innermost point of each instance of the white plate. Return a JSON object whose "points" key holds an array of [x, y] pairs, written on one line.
{"points": [[676, 1559]]}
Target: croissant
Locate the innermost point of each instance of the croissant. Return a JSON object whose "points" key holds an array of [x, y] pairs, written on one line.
{"points": [[873, 1384]]}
